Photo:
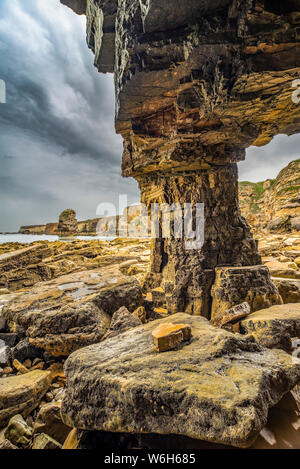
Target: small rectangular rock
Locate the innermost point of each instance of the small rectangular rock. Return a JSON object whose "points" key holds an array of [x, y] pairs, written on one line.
{"points": [[168, 336]]}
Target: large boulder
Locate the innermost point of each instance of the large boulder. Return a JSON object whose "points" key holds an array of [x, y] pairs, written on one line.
{"points": [[236, 285], [69, 328], [274, 327], [217, 387]]}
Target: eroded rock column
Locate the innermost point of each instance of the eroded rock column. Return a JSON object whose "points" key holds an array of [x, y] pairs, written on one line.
{"points": [[186, 275]]}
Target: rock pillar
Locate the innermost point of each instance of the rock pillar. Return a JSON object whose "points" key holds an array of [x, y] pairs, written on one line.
{"points": [[185, 274]]}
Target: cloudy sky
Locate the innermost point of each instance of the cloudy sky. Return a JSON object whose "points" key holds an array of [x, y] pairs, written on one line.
{"points": [[58, 148]]}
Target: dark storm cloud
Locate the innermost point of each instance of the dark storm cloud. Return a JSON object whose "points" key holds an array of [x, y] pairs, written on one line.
{"points": [[58, 147], [51, 85]]}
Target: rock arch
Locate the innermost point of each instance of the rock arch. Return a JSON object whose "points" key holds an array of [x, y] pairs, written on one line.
{"points": [[198, 82]]}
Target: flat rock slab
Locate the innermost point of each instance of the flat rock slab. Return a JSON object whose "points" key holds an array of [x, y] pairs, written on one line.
{"points": [[72, 311], [21, 394], [274, 327], [218, 387]]}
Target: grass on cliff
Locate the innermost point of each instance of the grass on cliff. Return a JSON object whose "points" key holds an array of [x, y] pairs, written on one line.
{"points": [[258, 187], [288, 189]]}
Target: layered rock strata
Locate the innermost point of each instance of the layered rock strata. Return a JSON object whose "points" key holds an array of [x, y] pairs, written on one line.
{"points": [[197, 82], [273, 205]]}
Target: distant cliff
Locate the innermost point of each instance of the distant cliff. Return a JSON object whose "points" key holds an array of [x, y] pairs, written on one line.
{"points": [[67, 225], [274, 204]]}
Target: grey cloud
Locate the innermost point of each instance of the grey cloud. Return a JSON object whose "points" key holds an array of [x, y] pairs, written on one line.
{"points": [[57, 142], [266, 162], [58, 147]]}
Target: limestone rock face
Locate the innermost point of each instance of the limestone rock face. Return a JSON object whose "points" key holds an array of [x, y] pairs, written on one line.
{"points": [[218, 387], [67, 222], [274, 327]]}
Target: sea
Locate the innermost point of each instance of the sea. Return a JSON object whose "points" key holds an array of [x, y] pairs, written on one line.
{"points": [[28, 238]]}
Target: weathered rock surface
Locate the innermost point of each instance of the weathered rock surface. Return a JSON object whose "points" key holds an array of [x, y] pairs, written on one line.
{"points": [[21, 394], [235, 285], [274, 327], [49, 421], [217, 388], [122, 321], [282, 269], [24, 267], [231, 316], [289, 290], [72, 311], [67, 222], [44, 441], [18, 432]]}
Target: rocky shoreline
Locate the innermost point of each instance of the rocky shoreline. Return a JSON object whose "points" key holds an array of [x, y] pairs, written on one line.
{"points": [[61, 300]]}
